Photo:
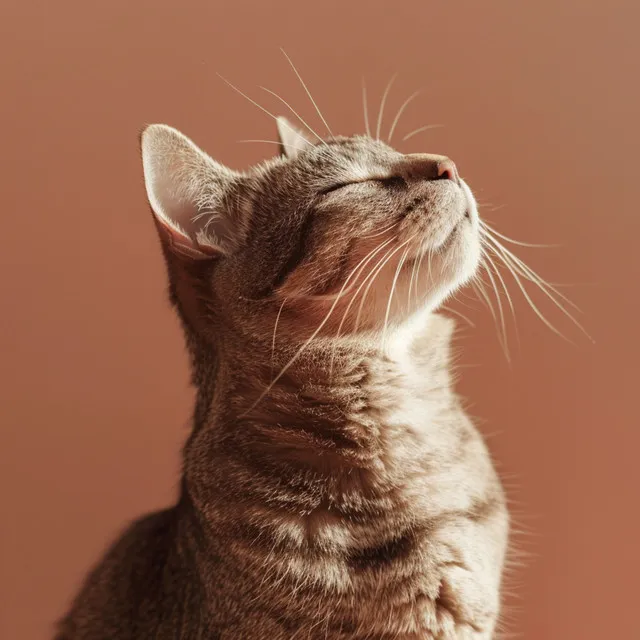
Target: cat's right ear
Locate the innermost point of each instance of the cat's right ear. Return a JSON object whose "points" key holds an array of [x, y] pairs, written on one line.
{"points": [[188, 191], [292, 139]]}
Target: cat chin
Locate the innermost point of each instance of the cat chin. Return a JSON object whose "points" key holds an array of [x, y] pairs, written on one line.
{"points": [[464, 252], [461, 251], [459, 266]]}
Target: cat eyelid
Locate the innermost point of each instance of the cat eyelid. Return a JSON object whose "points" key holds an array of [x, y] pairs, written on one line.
{"points": [[391, 181], [337, 187], [384, 180]]}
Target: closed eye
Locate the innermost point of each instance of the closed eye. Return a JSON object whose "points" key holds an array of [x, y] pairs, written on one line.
{"points": [[391, 182], [336, 187]]}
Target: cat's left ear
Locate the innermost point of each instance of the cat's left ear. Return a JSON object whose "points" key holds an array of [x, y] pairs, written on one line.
{"points": [[189, 194], [292, 140]]}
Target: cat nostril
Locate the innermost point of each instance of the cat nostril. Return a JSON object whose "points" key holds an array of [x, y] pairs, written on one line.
{"points": [[447, 171]]}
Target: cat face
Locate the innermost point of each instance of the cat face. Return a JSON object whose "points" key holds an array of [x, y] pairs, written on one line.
{"points": [[347, 231]]}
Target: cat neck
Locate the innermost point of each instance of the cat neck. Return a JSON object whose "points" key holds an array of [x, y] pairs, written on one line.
{"points": [[328, 383], [321, 438]]}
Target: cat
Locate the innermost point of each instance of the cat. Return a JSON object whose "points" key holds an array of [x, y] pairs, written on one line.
{"points": [[332, 485]]}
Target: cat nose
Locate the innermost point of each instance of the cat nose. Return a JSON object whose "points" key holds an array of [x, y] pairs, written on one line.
{"points": [[447, 170], [425, 166]]}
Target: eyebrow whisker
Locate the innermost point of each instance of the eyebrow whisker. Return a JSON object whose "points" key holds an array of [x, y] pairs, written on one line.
{"points": [[382, 104]]}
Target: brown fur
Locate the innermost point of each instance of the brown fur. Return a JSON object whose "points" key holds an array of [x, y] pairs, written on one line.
{"points": [[333, 487]]}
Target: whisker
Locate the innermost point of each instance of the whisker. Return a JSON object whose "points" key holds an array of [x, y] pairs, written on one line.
{"points": [[393, 288], [420, 130], [502, 282], [498, 297], [295, 113], [519, 266], [362, 284], [505, 289], [313, 102], [556, 303], [365, 108], [379, 233], [469, 298], [375, 275], [490, 206], [518, 242], [527, 272], [533, 306], [405, 104], [275, 329], [483, 296], [418, 268], [429, 265], [382, 105], [252, 101], [367, 258], [567, 285], [333, 296], [300, 350], [461, 315], [413, 275]]}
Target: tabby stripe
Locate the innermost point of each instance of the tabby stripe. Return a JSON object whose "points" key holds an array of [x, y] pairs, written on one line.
{"points": [[298, 251]]}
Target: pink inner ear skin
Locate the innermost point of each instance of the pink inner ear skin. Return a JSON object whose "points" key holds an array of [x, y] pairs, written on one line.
{"points": [[179, 243]]}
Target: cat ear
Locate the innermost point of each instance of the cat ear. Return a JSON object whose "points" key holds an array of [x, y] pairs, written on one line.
{"points": [[187, 191], [292, 140]]}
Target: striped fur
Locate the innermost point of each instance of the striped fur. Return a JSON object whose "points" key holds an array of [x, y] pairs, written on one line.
{"points": [[354, 498]]}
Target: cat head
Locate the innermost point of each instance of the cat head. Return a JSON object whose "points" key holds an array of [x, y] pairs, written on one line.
{"points": [[344, 233]]}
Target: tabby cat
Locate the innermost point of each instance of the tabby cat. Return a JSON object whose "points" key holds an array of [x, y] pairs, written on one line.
{"points": [[333, 486]]}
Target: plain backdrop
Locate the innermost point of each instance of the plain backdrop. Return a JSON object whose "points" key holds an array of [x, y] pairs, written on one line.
{"points": [[540, 102]]}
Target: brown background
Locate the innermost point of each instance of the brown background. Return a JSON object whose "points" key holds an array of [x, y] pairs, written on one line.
{"points": [[541, 106]]}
